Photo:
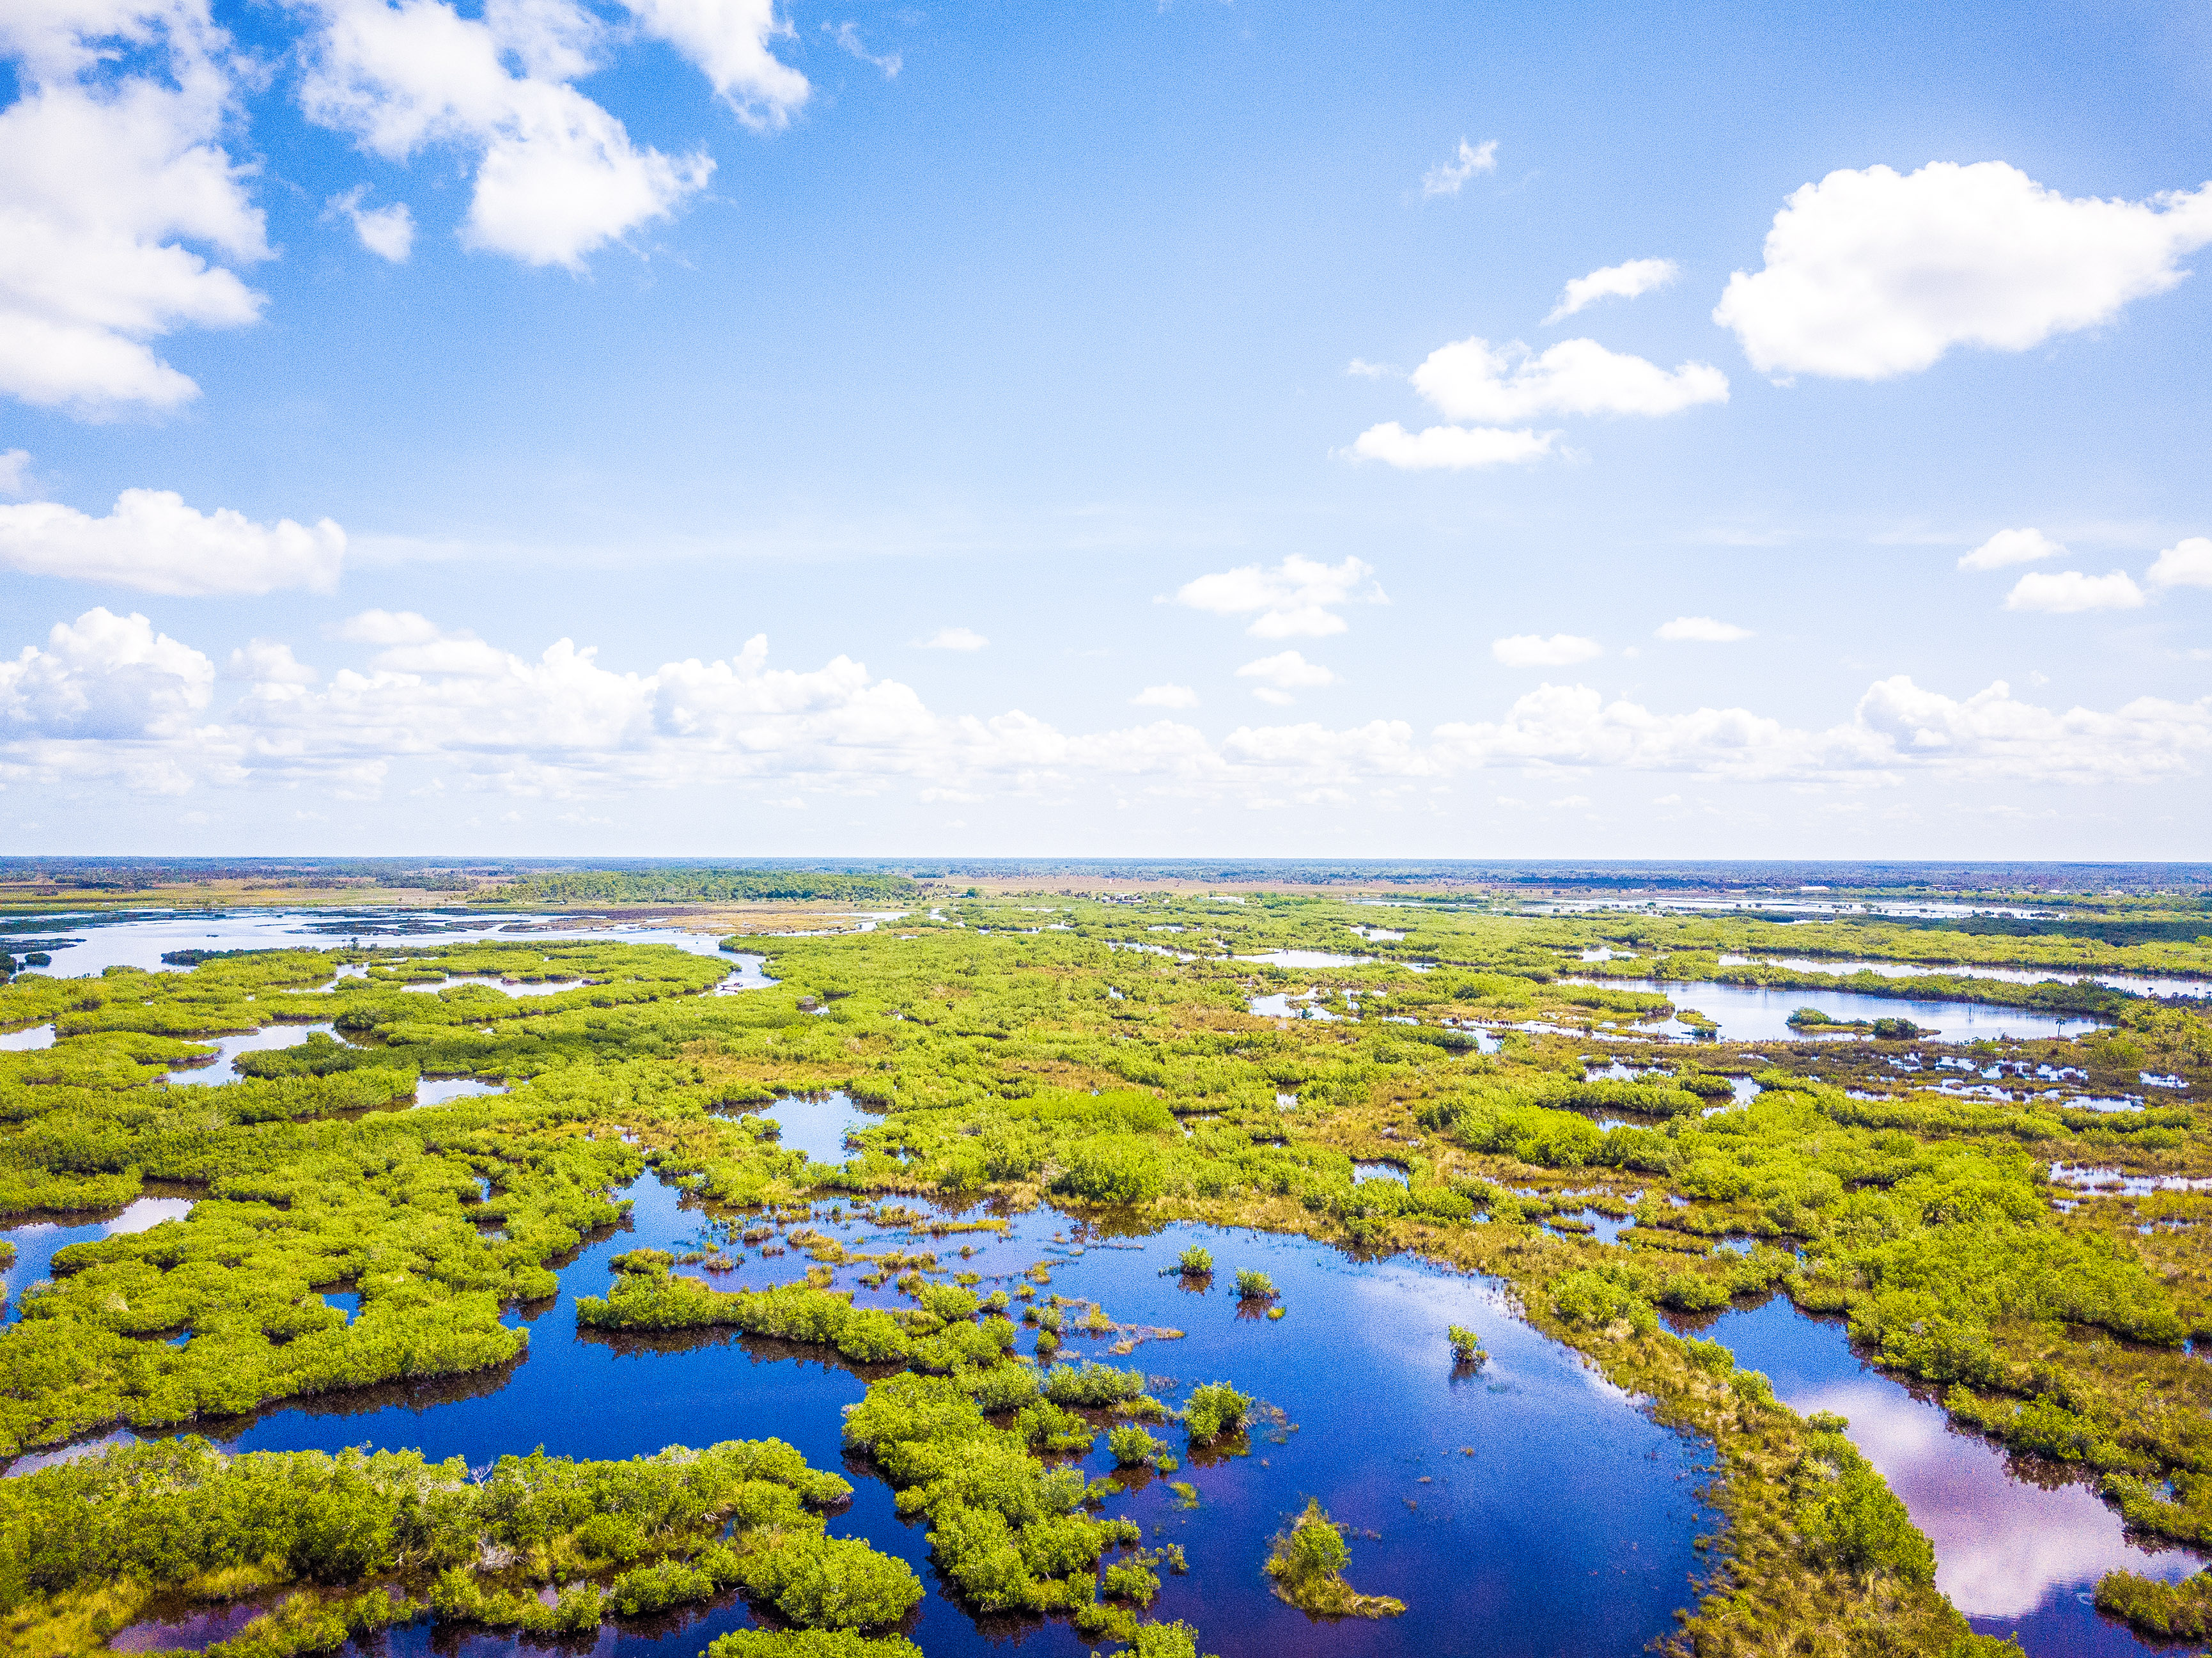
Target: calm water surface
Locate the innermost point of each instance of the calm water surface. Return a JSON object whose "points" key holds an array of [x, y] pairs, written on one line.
{"points": [[2017, 1556], [1530, 1509], [83, 946], [2139, 984], [1746, 1014], [38, 1242]]}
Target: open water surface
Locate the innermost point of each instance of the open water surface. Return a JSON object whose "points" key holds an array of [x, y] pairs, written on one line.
{"points": [[223, 1067], [2138, 984], [85, 945], [38, 1242], [816, 1124], [2018, 1546], [1746, 1014], [1527, 1509]]}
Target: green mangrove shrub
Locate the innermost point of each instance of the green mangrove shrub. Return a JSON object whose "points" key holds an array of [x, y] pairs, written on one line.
{"points": [[1307, 1566], [1212, 1410]]}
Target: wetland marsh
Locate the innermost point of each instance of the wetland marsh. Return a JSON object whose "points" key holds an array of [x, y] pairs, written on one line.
{"points": [[341, 1180]]}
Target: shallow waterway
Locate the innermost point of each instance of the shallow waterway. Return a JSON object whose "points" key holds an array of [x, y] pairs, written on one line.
{"points": [[2134, 983], [38, 1242], [1749, 1015], [85, 945], [1527, 1508], [2018, 1546]]}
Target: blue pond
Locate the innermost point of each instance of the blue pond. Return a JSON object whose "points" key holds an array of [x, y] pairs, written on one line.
{"points": [[1529, 1508], [816, 1124]]}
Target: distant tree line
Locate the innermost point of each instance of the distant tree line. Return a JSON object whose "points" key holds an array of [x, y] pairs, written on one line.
{"points": [[691, 886]]}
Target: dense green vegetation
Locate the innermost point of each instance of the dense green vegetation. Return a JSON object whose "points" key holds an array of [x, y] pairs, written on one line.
{"points": [[1307, 1564], [695, 886], [1103, 1055], [361, 1541]]}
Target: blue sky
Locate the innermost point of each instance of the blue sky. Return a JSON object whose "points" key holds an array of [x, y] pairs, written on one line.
{"points": [[1131, 427]]}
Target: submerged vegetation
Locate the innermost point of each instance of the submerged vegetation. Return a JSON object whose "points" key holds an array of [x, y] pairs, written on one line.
{"points": [[1987, 1222]]}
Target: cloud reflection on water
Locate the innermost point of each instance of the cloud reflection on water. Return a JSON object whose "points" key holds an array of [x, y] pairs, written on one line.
{"points": [[2001, 1545]]}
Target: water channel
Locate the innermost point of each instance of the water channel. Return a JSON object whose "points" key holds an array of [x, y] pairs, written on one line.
{"points": [[1746, 1014], [2019, 1543], [2137, 984], [85, 945]]}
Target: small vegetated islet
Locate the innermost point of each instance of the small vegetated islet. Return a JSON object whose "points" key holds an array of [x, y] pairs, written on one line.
{"points": [[1307, 1566]]}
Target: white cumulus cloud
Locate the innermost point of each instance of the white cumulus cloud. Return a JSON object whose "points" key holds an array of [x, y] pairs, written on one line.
{"points": [[1613, 281], [2066, 590], [953, 639], [121, 213], [1870, 274], [1166, 696], [1447, 177], [2012, 547], [386, 232], [15, 472], [1470, 380], [152, 541], [269, 662], [109, 697], [728, 40], [388, 627], [1532, 651], [106, 697], [1701, 630], [557, 175], [2187, 563], [1298, 598], [1450, 448], [1284, 672]]}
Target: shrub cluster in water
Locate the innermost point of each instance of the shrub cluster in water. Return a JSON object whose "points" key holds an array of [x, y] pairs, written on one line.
{"points": [[1307, 1564]]}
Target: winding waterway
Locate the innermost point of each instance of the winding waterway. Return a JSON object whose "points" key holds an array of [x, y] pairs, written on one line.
{"points": [[2019, 1545]]}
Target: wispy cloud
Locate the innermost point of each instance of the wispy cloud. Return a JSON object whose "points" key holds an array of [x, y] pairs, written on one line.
{"points": [[1615, 282], [1166, 696], [1700, 630], [2012, 547], [1447, 177], [386, 232], [2064, 591], [848, 35], [1282, 673], [953, 639], [1533, 651]]}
